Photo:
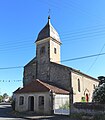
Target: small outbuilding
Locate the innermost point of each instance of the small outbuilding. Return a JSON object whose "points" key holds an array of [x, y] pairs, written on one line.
{"points": [[40, 97]]}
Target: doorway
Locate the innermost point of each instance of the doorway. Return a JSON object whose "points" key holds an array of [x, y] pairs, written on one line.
{"points": [[31, 103], [87, 97]]}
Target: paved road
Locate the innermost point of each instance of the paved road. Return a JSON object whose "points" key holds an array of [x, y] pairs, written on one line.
{"points": [[6, 113], [5, 110]]}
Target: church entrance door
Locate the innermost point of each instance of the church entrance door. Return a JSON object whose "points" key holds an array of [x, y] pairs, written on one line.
{"points": [[31, 103], [87, 98]]}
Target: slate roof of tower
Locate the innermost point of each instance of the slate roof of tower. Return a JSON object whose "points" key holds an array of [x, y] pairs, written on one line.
{"points": [[39, 86], [48, 31]]}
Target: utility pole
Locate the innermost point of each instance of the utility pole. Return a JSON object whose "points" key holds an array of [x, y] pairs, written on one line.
{"points": [[70, 94]]}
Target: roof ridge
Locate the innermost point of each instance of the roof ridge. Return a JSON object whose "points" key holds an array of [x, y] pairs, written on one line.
{"points": [[43, 83], [75, 70], [50, 87]]}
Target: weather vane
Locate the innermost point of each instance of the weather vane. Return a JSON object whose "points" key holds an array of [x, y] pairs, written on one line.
{"points": [[49, 12]]}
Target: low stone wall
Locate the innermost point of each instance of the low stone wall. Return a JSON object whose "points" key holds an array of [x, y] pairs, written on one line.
{"points": [[90, 108]]}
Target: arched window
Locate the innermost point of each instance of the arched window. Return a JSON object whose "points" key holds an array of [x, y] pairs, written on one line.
{"points": [[94, 86], [55, 50], [42, 50], [21, 100], [79, 85], [87, 98]]}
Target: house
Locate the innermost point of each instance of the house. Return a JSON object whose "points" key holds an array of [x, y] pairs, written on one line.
{"points": [[7, 99], [45, 78], [43, 95]]}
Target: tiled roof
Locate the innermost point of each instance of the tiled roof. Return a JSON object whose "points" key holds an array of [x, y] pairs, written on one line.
{"points": [[17, 90], [39, 86]]}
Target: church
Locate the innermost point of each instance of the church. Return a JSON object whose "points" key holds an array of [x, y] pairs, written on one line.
{"points": [[46, 82]]}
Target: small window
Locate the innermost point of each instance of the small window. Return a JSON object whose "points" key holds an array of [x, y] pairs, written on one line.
{"points": [[41, 100], [42, 50], [94, 86], [55, 50], [21, 100], [79, 85], [33, 76]]}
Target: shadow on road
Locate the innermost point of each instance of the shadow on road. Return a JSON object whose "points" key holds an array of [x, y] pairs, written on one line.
{"points": [[6, 110]]}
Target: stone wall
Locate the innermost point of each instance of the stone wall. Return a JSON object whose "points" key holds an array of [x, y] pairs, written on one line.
{"points": [[60, 75], [29, 72], [91, 108], [43, 60]]}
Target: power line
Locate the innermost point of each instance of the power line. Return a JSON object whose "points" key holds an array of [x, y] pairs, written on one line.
{"points": [[83, 36], [69, 36], [85, 29], [16, 41], [84, 57], [15, 67], [89, 30], [74, 6], [80, 33], [16, 48], [11, 80], [96, 59], [67, 60]]}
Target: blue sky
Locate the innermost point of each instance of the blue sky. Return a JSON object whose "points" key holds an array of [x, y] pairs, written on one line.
{"points": [[80, 24]]}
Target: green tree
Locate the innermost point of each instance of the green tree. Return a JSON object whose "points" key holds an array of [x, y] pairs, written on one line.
{"points": [[101, 80], [99, 93], [5, 95], [1, 98]]}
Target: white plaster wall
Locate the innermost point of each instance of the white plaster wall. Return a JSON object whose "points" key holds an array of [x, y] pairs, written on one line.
{"points": [[54, 57], [60, 100], [24, 107], [86, 86]]}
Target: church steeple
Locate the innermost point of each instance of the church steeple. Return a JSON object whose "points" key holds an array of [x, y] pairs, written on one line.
{"points": [[47, 50], [48, 31], [48, 44]]}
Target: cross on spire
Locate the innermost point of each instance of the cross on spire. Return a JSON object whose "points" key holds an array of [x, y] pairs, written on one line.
{"points": [[49, 12]]}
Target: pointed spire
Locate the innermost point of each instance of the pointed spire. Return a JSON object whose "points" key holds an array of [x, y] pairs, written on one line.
{"points": [[49, 19], [48, 31]]}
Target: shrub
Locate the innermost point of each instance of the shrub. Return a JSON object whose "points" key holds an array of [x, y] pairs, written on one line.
{"points": [[65, 106], [99, 94]]}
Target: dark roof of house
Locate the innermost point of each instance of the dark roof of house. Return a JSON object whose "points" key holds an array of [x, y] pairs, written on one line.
{"points": [[17, 90], [48, 31], [39, 86]]}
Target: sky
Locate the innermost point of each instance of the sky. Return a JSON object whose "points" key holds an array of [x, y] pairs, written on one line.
{"points": [[81, 27]]}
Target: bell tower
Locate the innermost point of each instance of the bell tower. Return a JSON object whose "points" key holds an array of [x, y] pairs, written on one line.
{"points": [[47, 50]]}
